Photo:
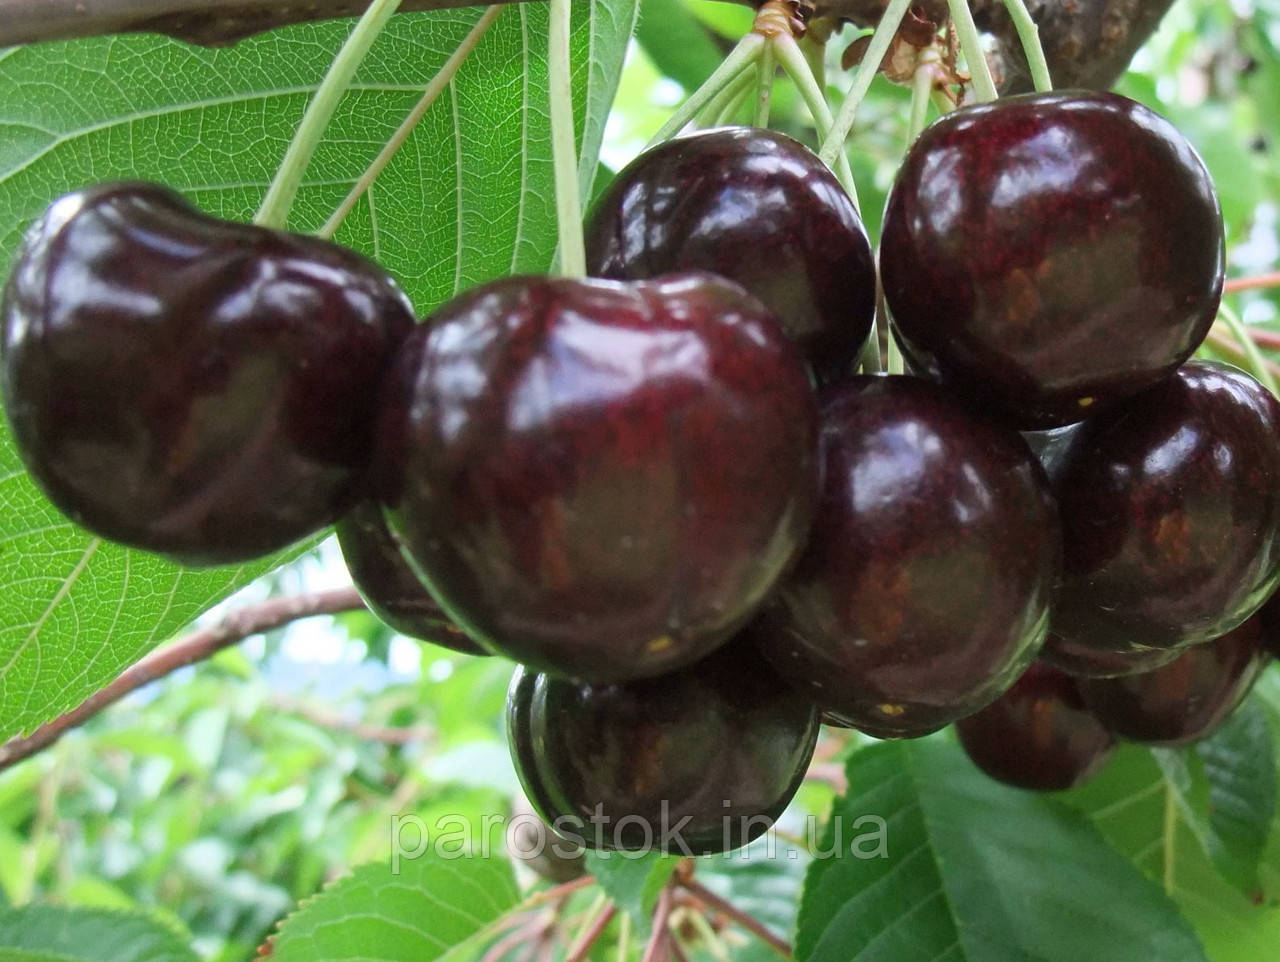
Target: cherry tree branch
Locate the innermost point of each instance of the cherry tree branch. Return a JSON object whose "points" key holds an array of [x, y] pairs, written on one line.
{"points": [[197, 646], [1088, 42], [735, 914]]}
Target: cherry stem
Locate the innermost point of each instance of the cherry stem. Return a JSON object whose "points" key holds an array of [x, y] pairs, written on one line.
{"points": [[921, 89], [197, 646], [429, 96], [971, 43], [740, 58], [886, 30], [1029, 34], [731, 911], [797, 68], [564, 151], [727, 99], [815, 55], [275, 208], [1260, 282], [624, 938], [598, 918], [765, 68], [1257, 362], [730, 106]]}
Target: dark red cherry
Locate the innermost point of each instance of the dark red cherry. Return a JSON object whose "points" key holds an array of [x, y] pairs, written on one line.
{"points": [[1171, 513], [1081, 661], [190, 386], [598, 479], [1038, 735], [699, 761], [1048, 254], [925, 588], [388, 585], [758, 208], [1186, 699]]}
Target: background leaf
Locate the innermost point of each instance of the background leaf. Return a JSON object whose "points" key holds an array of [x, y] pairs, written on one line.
{"points": [[468, 199], [432, 906], [975, 871], [91, 935]]}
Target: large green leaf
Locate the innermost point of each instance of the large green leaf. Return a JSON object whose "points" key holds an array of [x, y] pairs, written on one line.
{"points": [[429, 907], [1136, 807], [973, 870], [91, 935], [469, 198]]}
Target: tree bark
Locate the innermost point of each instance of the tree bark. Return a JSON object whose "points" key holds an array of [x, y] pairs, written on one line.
{"points": [[1088, 42]]}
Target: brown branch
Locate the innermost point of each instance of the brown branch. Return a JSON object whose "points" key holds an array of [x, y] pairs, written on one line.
{"points": [[735, 914], [659, 947], [1088, 42], [384, 734], [592, 935], [197, 646], [1261, 282]]}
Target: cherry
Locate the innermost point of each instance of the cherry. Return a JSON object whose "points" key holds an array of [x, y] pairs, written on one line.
{"points": [[925, 589], [388, 585], [598, 479], [1171, 513], [695, 762], [1081, 661], [190, 386], [1048, 254], [758, 208], [1186, 699], [1038, 735]]}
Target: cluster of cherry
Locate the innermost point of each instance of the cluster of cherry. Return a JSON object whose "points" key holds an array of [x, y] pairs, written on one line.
{"points": [[668, 495]]}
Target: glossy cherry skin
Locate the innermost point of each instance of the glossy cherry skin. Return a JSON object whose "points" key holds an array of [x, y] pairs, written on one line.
{"points": [[1081, 661], [1171, 513], [1048, 254], [388, 585], [754, 206], [712, 753], [1188, 698], [1038, 735], [193, 387], [598, 479], [924, 591]]}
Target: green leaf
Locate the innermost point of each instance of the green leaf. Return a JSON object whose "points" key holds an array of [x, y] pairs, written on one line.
{"points": [[972, 870], [91, 935], [1240, 766], [419, 914], [1134, 806], [17, 955], [633, 881], [761, 880], [468, 199], [677, 43]]}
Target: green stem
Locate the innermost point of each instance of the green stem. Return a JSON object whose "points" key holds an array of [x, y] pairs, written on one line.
{"points": [[921, 88], [815, 55], [731, 96], [731, 105], [1261, 370], [564, 152], [971, 44], [1029, 34], [764, 85], [941, 103], [437, 85], [743, 55], [284, 188], [880, 41], [797, 68]]}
